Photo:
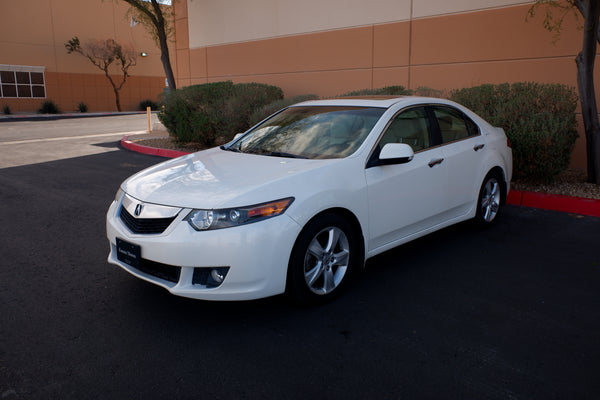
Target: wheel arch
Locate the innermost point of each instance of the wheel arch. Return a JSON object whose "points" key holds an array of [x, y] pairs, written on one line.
{"points": [[499, 172], [295, 285], [352, 220]]}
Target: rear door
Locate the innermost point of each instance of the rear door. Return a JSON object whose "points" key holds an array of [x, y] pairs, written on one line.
{"points": [[463, 149]]}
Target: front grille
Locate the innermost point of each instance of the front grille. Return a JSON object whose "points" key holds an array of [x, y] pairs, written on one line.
{"points": [[163, 271], [144, 225]]}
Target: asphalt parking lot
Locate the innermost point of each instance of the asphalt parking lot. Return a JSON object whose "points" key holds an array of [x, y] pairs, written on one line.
{"points": [[510, 312]]}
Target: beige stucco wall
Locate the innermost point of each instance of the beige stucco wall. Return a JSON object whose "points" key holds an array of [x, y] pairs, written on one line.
{"points": [[430, 8], [218, 22], [436, 43], [33, 33], [329, 47]]}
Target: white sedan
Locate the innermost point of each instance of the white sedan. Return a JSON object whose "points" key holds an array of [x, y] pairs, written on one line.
{"points": [[301, 200]]}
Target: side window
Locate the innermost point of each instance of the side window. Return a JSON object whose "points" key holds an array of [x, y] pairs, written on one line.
{"points": [[410, 127], [453, 125], [473, 128]]}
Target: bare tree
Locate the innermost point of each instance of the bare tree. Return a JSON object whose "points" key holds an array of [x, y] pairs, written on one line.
{"points": [[585, 60], [157, 18], [103, 54]]}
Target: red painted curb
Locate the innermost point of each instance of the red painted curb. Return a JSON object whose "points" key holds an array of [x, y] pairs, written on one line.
{"points": [[128, 144], [515, 197], [555, 202], [575, 205]]}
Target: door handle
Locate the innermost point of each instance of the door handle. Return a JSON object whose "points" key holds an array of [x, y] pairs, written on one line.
{"points": [[478, 147], [435, 162]]}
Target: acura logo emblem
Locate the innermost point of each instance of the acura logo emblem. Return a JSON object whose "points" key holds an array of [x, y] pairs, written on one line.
{"points": [[138, 210]]}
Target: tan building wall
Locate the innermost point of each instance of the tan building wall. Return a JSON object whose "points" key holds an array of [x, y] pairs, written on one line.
{"points": [[328, 47], [33, 33]]}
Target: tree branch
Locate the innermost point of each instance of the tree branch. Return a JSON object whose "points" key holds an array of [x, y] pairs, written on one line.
{"points": [[580, 6], [140, 6], [156, 19], [103, 54]]}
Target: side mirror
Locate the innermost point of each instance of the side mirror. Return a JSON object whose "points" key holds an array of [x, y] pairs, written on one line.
{"points": [[395, 153]]}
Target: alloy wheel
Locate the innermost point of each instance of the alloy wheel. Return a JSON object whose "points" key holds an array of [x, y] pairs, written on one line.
{"points": [[490, 200], [326, 260]]}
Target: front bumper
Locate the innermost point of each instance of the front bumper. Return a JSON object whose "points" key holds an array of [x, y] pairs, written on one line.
{"points": [[257, 255]]}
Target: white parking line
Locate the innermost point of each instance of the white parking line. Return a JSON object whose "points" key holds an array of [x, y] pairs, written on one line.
{"points": [[73, 137]]}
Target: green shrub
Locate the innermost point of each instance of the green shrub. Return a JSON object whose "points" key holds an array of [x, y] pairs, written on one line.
{"points": [[192, 112], [428, 92], [263, 112], [247, 97], [6, 110], [539, 120], [48, 107], [384, 91], [213, 113], [82, 107], [144, 104]]}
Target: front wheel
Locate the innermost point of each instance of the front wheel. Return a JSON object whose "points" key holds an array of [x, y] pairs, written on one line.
{"points": [[489, 201], [323, 257]]}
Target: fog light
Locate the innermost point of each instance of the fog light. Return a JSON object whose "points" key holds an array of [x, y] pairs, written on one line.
{"points": [[217, 276], [234, 216], [210, 277]]}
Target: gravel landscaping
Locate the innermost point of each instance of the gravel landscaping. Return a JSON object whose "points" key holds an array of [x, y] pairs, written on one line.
{"points": [[572, 182]]}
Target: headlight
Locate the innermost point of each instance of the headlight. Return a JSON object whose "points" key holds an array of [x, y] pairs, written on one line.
{"points": [[202, 220]]}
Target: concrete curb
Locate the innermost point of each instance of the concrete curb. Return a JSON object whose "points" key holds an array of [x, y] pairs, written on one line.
{"points": [[53, 117], [130, 145], [575, 205]]}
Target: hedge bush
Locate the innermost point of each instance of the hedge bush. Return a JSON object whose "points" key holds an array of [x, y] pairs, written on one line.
{"points": [[396, 90], [263, 112], [49, 107], [425, 91], [213, 113], [144, 104], [539, 120]]}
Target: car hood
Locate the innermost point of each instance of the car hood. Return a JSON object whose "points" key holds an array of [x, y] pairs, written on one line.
{"points": [[217, 178]]}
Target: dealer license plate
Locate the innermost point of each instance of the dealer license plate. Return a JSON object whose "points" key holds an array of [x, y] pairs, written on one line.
{"points": [[129, 253]]}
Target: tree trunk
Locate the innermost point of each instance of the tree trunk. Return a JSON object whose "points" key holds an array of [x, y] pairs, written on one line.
{"points": [[161, 32], [115, 89], [117, 99], [166, 62], [155, 15], [587, 95]]}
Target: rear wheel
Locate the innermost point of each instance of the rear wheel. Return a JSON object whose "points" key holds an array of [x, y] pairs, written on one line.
{"points": [[323, 258], [490, 200]]}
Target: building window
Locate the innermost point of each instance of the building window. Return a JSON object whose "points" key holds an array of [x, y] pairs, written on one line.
{"points": [[22, 81]]}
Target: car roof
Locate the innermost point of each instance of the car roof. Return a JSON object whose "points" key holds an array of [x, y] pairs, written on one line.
{"points": [[373, 101]]}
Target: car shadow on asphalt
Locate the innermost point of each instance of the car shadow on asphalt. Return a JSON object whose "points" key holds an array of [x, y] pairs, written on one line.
{"points": [[512, 311]]}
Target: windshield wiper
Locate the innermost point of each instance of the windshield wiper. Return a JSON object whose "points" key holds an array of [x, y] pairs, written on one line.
{"points": [[230, 149], [281, 154]]}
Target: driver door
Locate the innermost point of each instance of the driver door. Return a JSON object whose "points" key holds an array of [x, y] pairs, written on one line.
{"points": [[405, 199]]}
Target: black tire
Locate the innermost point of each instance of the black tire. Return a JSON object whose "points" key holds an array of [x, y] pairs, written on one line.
{"points": [[490, 201], [324, 257]]}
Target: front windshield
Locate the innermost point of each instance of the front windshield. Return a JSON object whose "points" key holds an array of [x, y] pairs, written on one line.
{"points": [[315, 132]]}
